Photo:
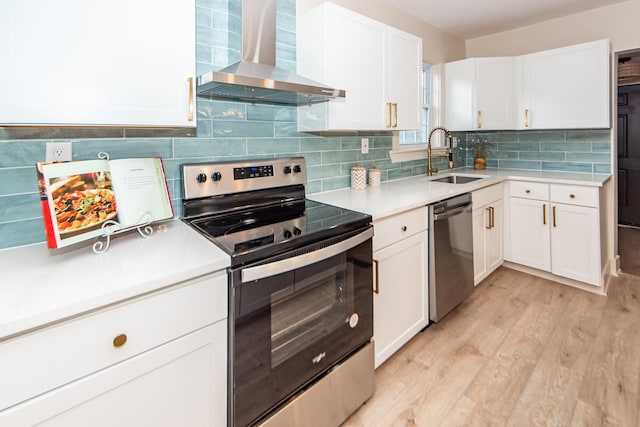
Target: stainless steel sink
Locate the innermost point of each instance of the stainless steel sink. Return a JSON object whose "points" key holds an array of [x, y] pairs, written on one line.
{"points": [[457, 179]]}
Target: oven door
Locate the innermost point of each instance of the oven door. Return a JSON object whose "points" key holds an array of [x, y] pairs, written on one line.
{"points": [[295, 316]]}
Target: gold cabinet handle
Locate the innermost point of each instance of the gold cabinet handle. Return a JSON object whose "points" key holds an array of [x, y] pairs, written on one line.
{"points": [[403, 228], [526, 118], [573, 196], [377, 278], [492, 217], [395, 114], [544, 214], [191, 100], [389, 116], [119, 340], [554, 217], [488, 227], [527, 191], [479, 119]]}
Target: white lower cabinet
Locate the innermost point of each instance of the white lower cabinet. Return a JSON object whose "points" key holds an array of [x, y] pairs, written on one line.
{"points": [[488, 216], [556, 228], [400, 301], [159, 360]]}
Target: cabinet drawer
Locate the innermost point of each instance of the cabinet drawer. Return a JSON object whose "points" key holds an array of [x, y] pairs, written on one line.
{"points": [[529, 190], [42, 360], [575, 195], [397, 227], [487, 195]]}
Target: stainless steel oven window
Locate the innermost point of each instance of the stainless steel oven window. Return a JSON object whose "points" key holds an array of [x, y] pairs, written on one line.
{"points": [[319, 305]]}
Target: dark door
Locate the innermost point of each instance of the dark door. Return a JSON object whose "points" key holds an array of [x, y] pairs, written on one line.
{"points": [[629, 155]]}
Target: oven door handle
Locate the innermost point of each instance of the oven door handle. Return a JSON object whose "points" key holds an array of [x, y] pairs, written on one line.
{"points": [[282, 266]]}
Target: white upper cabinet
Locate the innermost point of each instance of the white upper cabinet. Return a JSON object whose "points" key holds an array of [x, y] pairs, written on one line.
{"points": [[566, 88], [403, 64], [378, 66], [87, 63], [479, 94]]}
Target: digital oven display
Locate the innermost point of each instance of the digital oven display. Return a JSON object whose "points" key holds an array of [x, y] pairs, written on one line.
{"points": [[252, 172]]}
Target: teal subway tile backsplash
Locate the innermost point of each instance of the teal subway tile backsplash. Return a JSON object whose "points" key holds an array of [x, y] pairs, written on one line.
{"points": [[567, 167], [541, 155], [24, 232], [18, 180], [241, 129], [565, 146], [587, 150], [20, 154], [20, 206]]}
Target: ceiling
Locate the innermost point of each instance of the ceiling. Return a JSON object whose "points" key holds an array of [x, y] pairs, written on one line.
{"points": [[468, 19]]}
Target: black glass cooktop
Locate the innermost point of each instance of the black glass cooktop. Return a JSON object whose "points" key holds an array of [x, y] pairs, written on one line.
{"points": [[254, 234]]}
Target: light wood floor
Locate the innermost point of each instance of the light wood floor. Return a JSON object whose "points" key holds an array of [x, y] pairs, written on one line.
{"points": [[520, 351]]}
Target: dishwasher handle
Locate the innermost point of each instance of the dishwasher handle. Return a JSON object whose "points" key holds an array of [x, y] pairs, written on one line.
{"points": [[452, 212]]}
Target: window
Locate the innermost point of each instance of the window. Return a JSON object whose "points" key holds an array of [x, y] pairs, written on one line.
{"points": [[408, 138]]}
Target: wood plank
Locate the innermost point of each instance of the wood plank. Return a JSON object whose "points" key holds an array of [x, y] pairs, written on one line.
{"points": [[520, 350]]}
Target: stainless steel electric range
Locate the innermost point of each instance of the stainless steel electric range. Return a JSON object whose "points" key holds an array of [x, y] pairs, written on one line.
{"points": [[300, 291]]}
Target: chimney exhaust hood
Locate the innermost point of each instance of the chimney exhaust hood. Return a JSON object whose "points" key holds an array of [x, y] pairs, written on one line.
{"points": [[256, 78]]}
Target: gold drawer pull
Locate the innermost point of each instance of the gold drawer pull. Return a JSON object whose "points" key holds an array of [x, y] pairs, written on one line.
{"points": [[526, 118], [544, 214], [403, 228], [527, 191], [119, 340], [573, 196], [395, 115]]}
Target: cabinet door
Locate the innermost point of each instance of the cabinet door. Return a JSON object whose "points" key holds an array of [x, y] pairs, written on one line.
{"points": [[494, 94], [480, 229], [403, 75], [566, 88], [400, 301], [529, 227], [182, 383], [119, 63], [459, 95], [495, 252], [575, 243], [487, 240]]}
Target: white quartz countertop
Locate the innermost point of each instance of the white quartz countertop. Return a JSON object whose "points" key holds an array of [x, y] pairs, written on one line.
{"points": [[397, 196], [40, 286]]}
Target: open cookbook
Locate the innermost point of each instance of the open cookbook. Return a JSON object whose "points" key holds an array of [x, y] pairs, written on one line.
{"points": [[78, 198]]}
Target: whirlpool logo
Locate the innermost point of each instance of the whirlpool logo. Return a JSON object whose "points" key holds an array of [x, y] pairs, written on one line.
{"points": [[319, 358]]}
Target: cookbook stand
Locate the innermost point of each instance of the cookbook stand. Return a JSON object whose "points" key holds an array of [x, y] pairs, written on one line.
{"points": [[112, 228]]}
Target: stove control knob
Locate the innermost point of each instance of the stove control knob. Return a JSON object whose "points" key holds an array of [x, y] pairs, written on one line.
{"points": [[216, 176], [201, 178], [287, 169], [297, 169], [297, 231], [287, 234]]}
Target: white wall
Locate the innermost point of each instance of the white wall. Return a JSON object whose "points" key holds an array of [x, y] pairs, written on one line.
{"points": [[437, 46], [618, 22]]}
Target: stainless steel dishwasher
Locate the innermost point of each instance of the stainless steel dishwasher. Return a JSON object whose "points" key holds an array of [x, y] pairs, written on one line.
{"points": [[450, 254]]}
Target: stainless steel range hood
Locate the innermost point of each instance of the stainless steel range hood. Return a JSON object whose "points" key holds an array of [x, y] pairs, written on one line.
{"points": [[256, 78]]}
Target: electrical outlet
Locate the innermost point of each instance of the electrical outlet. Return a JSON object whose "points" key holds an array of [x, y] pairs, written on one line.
{"points": [[58, 152], [365, 145]]}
